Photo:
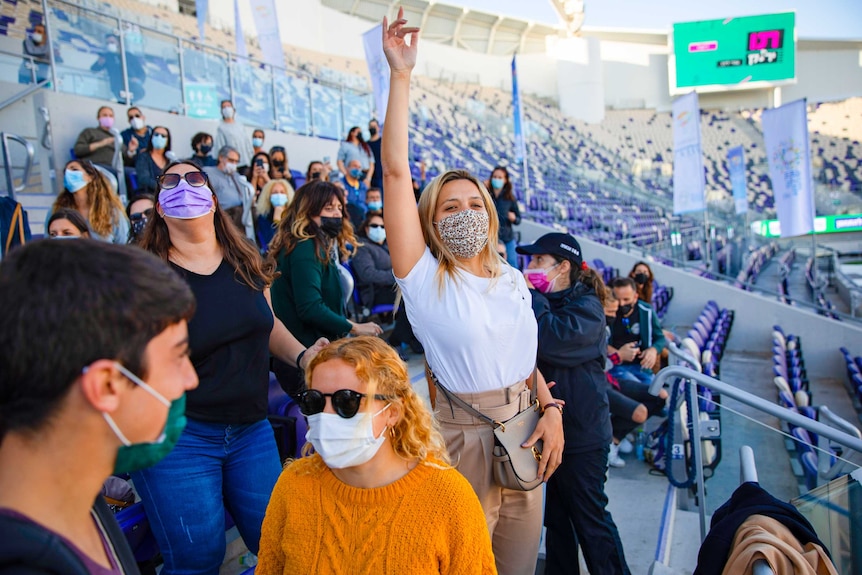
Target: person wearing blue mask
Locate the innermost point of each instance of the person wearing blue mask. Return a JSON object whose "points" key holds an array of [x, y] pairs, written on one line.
{"points": [[354, 147], [110, 402], [150, 164], [257, 139], [270, 207], [507, 210], [374, 200], [355, 189]]}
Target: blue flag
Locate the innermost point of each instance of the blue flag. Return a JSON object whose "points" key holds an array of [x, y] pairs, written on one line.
{"points": [[736, 169], [520, 144]]}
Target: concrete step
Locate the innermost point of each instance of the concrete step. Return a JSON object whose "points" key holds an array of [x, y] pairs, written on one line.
{"points": [[686, 541], [37, 207]]}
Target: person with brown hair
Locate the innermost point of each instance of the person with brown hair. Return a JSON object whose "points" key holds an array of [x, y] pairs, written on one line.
{"points": [[378, 495], [66, 223], [311, 241], [227, 456], [87, 191], [642, 274], [472, 314], [508, 212]]}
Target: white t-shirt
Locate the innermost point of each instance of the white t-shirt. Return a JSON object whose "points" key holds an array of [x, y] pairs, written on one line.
{"points": [[479, 334]]}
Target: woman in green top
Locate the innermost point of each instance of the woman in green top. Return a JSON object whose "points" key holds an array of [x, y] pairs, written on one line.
{"points": [[307, 296]]}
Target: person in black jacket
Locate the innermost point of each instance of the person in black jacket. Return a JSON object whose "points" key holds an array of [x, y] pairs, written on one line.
{"points": [[507, 210], [372, 268], [76, 409], [567, 300]]}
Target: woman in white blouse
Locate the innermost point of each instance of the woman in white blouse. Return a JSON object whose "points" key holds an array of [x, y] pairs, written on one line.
{"points": [[472, 312]]}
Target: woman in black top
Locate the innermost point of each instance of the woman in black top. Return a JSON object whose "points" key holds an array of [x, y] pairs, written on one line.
{"points": [[150, 164], [226, 457], [507, 210]]}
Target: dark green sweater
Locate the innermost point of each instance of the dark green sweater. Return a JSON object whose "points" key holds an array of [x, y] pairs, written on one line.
{"points": [[307, 296]]}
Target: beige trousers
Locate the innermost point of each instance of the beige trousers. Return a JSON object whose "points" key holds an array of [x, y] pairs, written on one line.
{"points": [[514, 517]]}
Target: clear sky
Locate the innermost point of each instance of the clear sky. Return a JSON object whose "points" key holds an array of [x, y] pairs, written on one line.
{"points": [[814, 18]]}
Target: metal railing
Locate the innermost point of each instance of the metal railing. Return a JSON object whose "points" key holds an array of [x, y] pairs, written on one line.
{"points": [[11, 188], [691, 376]]}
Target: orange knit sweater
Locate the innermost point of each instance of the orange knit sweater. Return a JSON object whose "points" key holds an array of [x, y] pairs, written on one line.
{"points": [[429, 521]]}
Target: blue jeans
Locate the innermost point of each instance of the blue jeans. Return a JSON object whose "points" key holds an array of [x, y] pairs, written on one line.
{"points": [[213, 467], [632, 372], [511, 254]]}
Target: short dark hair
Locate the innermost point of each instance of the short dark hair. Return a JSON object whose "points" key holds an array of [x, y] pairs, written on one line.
{"points": [[74, 217], [198, 139], [622, 282], [133, 108], [256, 130], [109, 302]]}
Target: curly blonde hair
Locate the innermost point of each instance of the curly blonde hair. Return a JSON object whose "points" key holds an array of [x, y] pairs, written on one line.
{"points": [[448, 263], [415, 436], [106, 209]]}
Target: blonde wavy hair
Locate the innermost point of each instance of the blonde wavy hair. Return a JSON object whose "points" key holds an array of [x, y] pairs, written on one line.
{"points": [[263, 206], [415, 436], [448, 263], [106, 209]]}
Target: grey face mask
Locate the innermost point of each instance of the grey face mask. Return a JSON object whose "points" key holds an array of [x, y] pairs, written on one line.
{"points": [[464, 233]]}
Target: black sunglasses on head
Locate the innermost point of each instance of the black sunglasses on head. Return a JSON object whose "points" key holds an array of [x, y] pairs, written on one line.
{"points": [[169, 181], [345, 402]]}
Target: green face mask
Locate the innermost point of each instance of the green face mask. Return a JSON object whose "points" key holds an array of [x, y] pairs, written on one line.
{"points": [[136, 456]]}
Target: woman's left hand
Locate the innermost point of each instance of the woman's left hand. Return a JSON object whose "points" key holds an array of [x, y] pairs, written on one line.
{"points": [[550, 431]]}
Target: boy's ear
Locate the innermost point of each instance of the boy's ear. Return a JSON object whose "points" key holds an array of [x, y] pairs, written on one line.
{"points": [[100, 384]]}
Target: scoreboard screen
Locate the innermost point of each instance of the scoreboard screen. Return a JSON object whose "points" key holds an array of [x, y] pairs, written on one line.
{"points": [[734, 52]]}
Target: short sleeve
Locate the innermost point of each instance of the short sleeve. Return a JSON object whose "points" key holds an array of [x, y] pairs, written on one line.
{"points": [[420, 276]]}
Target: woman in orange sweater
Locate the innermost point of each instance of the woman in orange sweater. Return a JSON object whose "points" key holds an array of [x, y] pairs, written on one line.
{"points": [[378, 495]]}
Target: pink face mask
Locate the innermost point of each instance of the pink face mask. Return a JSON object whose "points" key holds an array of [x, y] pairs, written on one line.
{"points": [[539, 278], [107, 122], [186, 202]]}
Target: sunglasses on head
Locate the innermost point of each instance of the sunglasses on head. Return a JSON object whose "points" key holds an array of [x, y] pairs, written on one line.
{"points": [[169, 181], [345, 402]]}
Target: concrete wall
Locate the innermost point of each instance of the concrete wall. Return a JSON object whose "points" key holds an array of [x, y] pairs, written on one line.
{"points": [[754, 314]]}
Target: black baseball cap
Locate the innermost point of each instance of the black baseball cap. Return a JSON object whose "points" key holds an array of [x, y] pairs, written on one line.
{"points": [[555, 244]]}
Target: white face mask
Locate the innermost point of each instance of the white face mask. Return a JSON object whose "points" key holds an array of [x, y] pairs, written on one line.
{"points": [[227, 112], [36, 37], [344, 442], [113, 48], [137, 123], [229, 168]]}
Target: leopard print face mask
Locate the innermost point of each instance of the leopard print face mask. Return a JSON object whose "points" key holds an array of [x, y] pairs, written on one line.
{"points": [[464, 233]]}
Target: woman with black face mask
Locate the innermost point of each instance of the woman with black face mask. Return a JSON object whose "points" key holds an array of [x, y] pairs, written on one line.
{"points": [[642, 274], [307, 249]]}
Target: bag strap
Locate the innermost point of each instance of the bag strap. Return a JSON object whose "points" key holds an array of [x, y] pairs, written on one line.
{"points": [[19, 218], [469, 408]]}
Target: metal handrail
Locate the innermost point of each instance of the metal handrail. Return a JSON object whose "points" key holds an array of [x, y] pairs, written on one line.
{"points": [[11, 188], [747, 466]]}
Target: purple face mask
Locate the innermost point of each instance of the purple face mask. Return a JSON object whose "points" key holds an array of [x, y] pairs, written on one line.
{"points": [[186, 202]]}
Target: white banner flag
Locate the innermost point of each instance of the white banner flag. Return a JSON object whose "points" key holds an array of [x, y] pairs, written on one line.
{"points": [[201, 8], [241, 49], [266, 22], [688, 178], [378, 69], [785, 131]]}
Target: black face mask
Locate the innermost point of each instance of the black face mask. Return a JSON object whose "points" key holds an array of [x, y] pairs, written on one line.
{"points": [[372, 131], [610, 319], [625, 310], [641, 278], [315, 176], [205, 150], [331, 226]]}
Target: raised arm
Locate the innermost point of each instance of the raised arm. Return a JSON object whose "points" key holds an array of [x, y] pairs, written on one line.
{"points": [[406, 243]]}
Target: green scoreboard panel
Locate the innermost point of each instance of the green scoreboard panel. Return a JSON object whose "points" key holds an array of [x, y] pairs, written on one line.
{"points": [[735, 52]]}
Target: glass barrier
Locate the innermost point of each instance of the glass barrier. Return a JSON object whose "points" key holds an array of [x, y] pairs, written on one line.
{"points": [[327, 121], [357, 109], [87, 68], [12, 65], [206, 81], [157, 57], [252, 92], [293, 105]]}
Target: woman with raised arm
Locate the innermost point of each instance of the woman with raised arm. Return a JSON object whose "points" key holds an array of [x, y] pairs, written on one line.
{"points": [[472, 314]]}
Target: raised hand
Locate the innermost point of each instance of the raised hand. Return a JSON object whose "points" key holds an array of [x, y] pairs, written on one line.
{"points": [[400, 55]]}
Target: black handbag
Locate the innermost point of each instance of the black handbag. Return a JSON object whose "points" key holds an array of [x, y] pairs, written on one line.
{"points": [[514, 467]]}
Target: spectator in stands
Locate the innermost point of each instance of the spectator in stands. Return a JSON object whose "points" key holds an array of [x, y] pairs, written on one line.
{"points": [[67, 223], [136, 137], [372, 267], [419, 185], [202, 144], [100, 145], [507, 210], [356, 148], [279, 168], [317, 171], [642, 274], [150, 163], [226, 457], [307, 296], [235, 194], [566, 296], [86, 190], [93, 372], [635, 323], [231, 132], [458, 295], [374, 141], [374, 200], [140, 212], [37, 46], [257, 139], [112, 62], [270, 207], [392, 482], [258, 173], [355, 188]]}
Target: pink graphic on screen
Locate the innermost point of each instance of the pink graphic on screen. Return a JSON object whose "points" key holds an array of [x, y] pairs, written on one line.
{"points": [[765, 40], [708, 46]]}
